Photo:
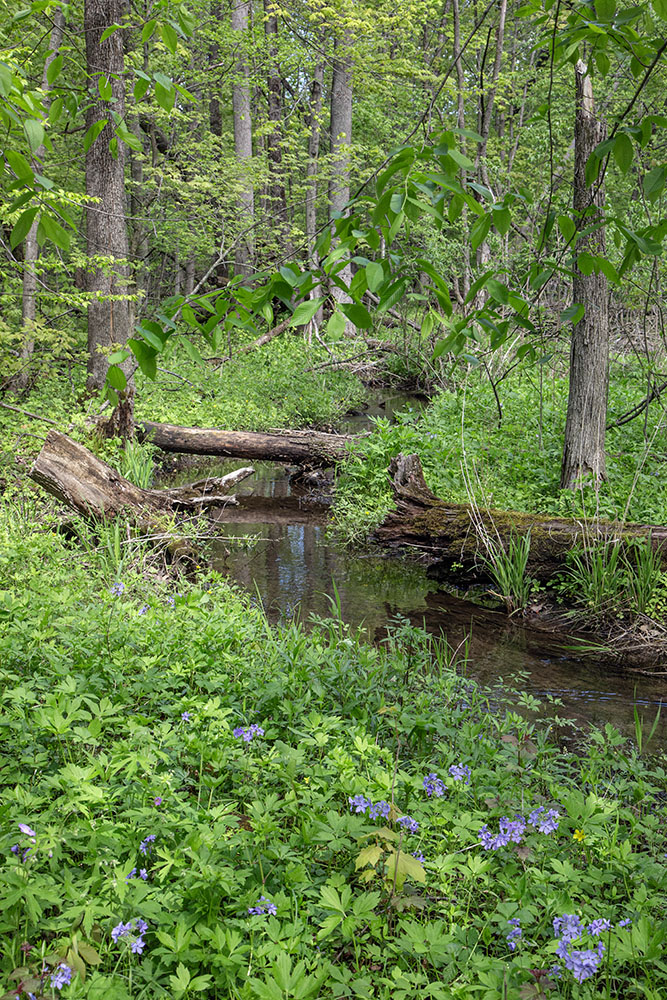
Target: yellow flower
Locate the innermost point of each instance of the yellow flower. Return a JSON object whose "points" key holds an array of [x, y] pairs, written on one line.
{"points": [[579, 835]]}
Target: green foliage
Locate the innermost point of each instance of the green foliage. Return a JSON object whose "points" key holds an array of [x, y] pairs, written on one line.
{"points": [[606, 578], [123, 706], [507, 567]]}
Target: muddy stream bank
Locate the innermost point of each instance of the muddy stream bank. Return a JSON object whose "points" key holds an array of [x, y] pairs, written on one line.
{"points": [[274, 545]]}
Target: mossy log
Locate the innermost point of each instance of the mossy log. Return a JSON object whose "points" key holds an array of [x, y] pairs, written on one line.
{"points": [[82, 481], [443, 534], [296, 447]]}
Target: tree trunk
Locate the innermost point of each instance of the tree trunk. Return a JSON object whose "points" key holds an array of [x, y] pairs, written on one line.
{"points": [[313, 155], [341, 137], [71, 473], [110, 316], [441, 533], [277, 201], [30, 246], [309, 447], [584, 448], [243, 252]]}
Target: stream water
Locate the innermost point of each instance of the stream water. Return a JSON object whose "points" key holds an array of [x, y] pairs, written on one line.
{"points": [[274, 544]]}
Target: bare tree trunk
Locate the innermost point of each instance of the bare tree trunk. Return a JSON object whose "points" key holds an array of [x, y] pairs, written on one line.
{"points": [[464, 286], [341, 137], [109, 313], [30, 246], [243, 253], [584, 448], [277, 201], [313, 154]]}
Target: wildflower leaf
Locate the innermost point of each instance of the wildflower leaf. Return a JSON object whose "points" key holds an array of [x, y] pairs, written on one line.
{"points": [[402, 866], [369, 856], [523, 852], [88, 954]]}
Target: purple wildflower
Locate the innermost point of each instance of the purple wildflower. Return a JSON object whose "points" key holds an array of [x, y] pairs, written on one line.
{"points": [[157, 801], [121, 930], [419, 856], [264, 907], [61, 977], [515, 934], [359, 803], [599, 926], [584, 964], [433, 785], [185, 716], [144, 846], [143, 874], [410, 824], [143, 609], [117, 589], [568, 927], [24, 828], [137, 946], [624, 923], [131, 875], [510, 831], [486, 838], [535, 815], [170, 601], [15, 849], [380, 808], [460, 772], [550, 823], [248, 735], [140, 925]]}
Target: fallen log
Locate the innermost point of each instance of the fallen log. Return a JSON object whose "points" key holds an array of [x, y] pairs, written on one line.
{"points": [[70, 472], [442, 534], [295, 447]]}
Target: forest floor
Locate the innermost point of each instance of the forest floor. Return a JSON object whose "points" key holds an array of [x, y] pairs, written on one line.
{"points": [[196, 803]]}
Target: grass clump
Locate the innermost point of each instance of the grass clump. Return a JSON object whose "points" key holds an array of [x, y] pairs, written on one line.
{"points": [[193, 803]]}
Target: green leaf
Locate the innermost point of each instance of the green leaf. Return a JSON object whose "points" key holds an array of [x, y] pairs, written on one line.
{"points": [[54, 231], [660, 7], [186, 21], [6, 80], [498, 291], [129, 138], [374, 275], [169, 36], [502, 220], [480, 231], [145, 355], [305, 311], [336, 325], [53, 69], [140, 89], [56, 110], [108, 32], [461, 160], [22, 227], [359, 315], [104, 88], [602, 62], [20, 166], [654, 182], [116, 378], [586, 263], [624, 151], [567, 227], [148, 29], [93, 133], [572, 314], [153, 334], [593, 164], [191, 350], [165, 97], [605, 9]]}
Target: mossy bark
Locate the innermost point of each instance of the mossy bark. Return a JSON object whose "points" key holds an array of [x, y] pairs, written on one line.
{"points": [[442, 534]]}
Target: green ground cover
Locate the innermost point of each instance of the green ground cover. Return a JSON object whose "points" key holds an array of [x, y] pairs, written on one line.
{"points": [[195, 804], [514, 465]]}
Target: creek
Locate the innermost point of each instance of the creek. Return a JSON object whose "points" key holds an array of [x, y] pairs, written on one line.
{"points": [[275, 546]]}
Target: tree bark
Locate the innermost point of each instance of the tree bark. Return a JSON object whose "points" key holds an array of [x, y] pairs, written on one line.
{"points": [[442, 533], [341, 137], [30, 246], [110, 313], [313, 155], [277, 202], [71, 473], [584, 447], [308, 447], [243, 251]]}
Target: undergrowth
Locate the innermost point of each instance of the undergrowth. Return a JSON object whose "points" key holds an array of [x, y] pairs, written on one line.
{"points": [[193, 803]]}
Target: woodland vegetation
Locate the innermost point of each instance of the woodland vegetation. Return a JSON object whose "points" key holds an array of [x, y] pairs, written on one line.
{"points": [[236, 222]]}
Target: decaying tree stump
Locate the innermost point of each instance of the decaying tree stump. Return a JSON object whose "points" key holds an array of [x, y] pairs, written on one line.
{"points": [[442, 533], [71, 472], [296, 447]]}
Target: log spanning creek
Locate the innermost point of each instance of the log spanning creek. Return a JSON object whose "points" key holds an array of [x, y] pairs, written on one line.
{"points": [[274, 545]]}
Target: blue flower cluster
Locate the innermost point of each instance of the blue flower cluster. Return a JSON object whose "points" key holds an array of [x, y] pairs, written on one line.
{"points": [[513, 830], [117, 589], [144, 846], [143, 874], [408, 823], [360, 804], [264, 907], [515, 934], [583, 963], [460, 772], [134, 929], [433, 785], [248, 735], [61, 976]]}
